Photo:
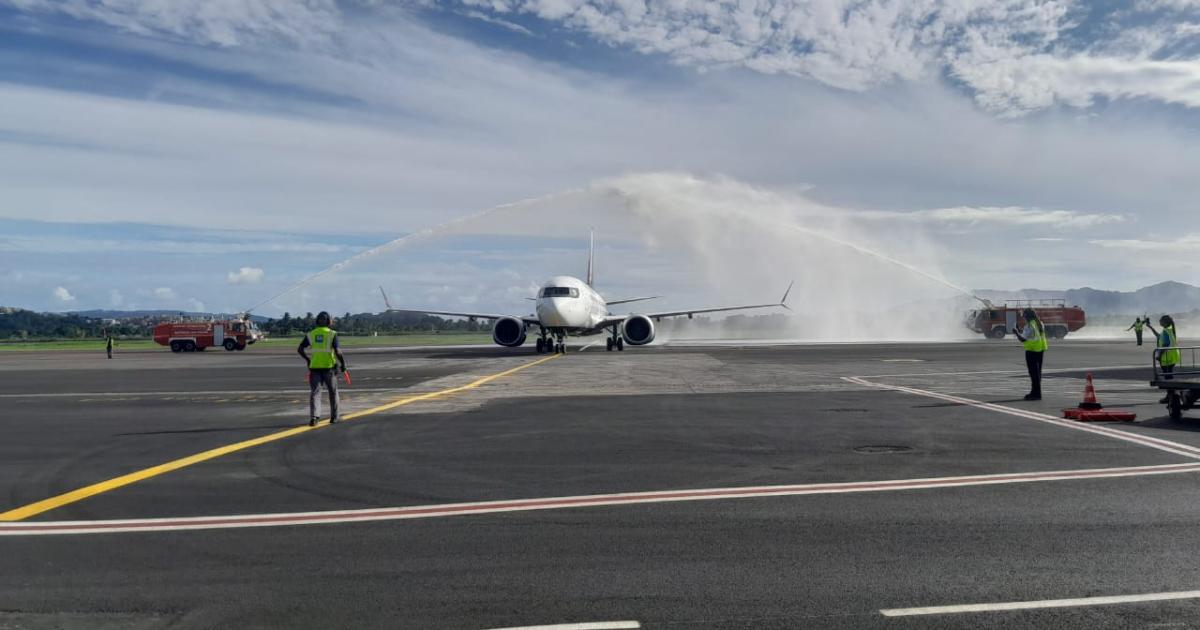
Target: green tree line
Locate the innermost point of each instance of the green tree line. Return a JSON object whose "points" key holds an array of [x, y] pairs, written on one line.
{"points": [[18, 324], [371, 323]]}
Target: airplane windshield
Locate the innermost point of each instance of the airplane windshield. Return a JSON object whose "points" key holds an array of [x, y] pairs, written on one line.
{"points": [[560, 292]]}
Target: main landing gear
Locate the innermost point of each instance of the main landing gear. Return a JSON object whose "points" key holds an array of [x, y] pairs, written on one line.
{"points": [[615, 341]]}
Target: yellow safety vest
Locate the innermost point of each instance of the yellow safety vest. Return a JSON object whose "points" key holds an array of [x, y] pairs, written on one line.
{"points": [[1137, 326], [1170, 357], [1037, 343], [320, 341]]}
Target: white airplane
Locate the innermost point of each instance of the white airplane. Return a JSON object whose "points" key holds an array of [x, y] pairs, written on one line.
{"points": [[566, 305]]}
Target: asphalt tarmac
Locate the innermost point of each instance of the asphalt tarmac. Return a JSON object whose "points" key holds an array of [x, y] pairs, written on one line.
{"points": [[677, 486]]}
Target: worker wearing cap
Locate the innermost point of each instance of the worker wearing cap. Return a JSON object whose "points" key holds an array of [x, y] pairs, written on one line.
{"points": [[1034, 340], [326, 356], [1137, 328]]}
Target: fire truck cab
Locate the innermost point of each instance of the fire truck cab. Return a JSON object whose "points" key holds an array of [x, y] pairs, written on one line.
{"points": [[995, 322]]}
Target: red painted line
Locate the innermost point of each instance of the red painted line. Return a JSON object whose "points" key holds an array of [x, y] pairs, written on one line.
{"points": [[463, 509]]}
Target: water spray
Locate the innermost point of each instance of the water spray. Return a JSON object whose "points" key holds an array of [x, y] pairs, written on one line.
{"points": [[884, 257], [403, 240]]}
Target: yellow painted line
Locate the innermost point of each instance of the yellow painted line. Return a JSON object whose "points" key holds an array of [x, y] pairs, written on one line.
{"points": [[80, 494]]}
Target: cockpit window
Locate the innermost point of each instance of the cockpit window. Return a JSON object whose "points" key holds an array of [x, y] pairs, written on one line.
{"points": [[560, 292]]}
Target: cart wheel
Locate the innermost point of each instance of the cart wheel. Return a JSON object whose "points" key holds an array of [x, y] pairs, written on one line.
{"points": [[1174, 406]]}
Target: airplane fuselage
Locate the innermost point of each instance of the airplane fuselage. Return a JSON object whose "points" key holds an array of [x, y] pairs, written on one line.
{"points": [[567, 303]]}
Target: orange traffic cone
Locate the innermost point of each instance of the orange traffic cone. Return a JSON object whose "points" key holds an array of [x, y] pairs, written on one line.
{"points": [[1089, 396], [1090, 410]]}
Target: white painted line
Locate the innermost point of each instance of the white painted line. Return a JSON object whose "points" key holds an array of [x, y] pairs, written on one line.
{"points": [[223, 392], [1021, 371], [588, 346], [33, 528], [1046, 603], [1163, 445], [592, 625]]}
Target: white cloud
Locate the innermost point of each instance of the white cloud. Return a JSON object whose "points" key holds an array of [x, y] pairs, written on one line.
{"points": [[63, 295], [245, 275], [226, 23], [512, 26], [1015, 55], [1014, 216], [1171, 5], [165, 293], [1021, 84], [1010, 52], [115, 298], [1187, 243], [407, 127]]}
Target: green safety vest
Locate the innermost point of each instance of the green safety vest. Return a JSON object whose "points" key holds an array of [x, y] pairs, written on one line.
{"points": [[1137, 326], [1037, 343], [1170, 357], [320, 341]]}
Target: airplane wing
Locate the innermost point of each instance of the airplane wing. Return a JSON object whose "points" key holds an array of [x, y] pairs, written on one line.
{"points": [[612, 319], [628, 300], [528, 319]]}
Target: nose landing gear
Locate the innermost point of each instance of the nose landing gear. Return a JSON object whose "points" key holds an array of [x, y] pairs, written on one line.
{"points": [[546, 343]]}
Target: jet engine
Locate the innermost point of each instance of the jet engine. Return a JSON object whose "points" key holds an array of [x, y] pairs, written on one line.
{"points": [[638, 330], [509, 332]]}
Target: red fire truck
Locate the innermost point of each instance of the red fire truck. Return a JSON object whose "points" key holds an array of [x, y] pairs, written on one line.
{"points": [[996, 321], [232, 335]]}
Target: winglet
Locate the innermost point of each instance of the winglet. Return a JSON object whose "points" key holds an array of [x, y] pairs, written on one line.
{"points": [[591, 256], [385, 300], [783, 301]]}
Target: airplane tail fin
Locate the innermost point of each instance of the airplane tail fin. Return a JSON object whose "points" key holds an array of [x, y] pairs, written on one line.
{"points": [[385, 299], [591, 257]]}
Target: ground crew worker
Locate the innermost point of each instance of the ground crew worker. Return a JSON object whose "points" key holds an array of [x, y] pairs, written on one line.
{"points": [[1137, 328], [1034, 340], [1167, 359], [325, 357], [108, 346]]}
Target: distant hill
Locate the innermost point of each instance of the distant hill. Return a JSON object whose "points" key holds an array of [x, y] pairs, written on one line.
{"points": [[1164, 297]]}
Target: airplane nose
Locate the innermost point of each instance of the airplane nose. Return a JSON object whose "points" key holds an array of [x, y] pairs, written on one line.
{"points": [[551, 312]]}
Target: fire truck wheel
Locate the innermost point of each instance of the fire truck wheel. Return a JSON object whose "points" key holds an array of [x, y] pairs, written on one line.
{"points": [[241, 346], [176, 346], [997, 333], [230, 345], [189, 346]]}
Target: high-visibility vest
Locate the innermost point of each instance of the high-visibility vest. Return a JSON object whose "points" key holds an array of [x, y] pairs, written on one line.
{"points": [[320, 341], [1137, 326], [1170, 357], [1036, 343]]}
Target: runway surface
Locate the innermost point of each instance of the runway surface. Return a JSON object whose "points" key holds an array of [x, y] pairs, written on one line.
{"points": [[725, 486]]}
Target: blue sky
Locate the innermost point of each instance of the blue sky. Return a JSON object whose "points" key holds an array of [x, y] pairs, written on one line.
{"points": [[176, 153]]}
